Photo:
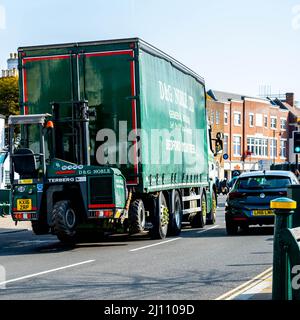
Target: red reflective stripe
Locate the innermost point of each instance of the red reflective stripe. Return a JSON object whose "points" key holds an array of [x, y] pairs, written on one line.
{"points": [[65, 172], [134, 119], [33, 209], [48, 58], [108, 53], [102, 206]]}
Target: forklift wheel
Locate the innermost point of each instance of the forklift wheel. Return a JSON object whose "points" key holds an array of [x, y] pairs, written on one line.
{"points": [[64, 221]]}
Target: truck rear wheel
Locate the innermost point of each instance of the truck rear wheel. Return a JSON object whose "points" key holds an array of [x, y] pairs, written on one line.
{"points": [[176, 217], [160, 219], [199, 220], [137, 217], [212, 217], [64, 222]]}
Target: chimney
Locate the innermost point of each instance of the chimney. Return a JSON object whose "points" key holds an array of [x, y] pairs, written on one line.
{"points": [[290, 99]]}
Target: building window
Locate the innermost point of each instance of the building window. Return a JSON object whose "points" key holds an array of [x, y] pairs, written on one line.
{"points": [[273, 123], [283, 124], [259, 120], [225, 142], [251, 120], [212, 117], [266, 121], [237, 119], [273, 148], [237, 146], [226, 117], [217, 117], [258, 147], [283, 149]]}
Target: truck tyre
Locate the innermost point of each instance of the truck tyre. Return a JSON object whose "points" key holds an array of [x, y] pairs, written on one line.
{"points": [[40, 228], [64, 222], [176, 217], [212, 217], [160, 218], [137, 217], [199, 220], [231, 228]]}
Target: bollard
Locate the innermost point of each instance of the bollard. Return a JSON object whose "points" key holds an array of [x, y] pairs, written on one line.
{"points": [[282, 287]]}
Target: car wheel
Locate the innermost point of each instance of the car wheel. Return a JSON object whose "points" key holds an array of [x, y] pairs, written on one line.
{"points": [[231, 228]]}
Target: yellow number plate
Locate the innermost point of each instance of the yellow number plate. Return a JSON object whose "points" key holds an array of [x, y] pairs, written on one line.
{"points": [[263, 213], [24, 205]]}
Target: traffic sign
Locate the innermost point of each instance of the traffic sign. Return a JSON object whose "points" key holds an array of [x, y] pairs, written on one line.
{"points": [[225, 156]]}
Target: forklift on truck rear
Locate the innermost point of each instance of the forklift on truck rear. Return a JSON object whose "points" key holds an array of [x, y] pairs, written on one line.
{"points": [[43, 194]]}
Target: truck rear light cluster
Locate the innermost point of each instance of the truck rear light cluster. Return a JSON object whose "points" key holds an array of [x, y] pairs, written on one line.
{"points": [[23, 216], [104, 214]]}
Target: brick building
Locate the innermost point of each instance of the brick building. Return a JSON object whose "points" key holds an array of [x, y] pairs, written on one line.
{"points": [[256, 131]]}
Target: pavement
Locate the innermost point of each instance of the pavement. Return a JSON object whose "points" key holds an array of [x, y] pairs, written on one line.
{"points": [[7, 225]]}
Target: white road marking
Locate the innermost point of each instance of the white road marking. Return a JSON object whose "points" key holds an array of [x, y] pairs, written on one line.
{"points": [[247, 286], [155, 245], [212, 228], [46, 272], [168, 241]]}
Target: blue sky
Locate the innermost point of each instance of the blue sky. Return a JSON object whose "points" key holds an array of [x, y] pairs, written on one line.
{"points": [[236, 45]]}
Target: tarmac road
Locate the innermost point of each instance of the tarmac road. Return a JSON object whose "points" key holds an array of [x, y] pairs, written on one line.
{"points": [[198, 265]]}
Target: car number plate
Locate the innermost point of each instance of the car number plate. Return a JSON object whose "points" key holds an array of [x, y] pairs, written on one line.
{"points": [[24, 205], [263, 213]]}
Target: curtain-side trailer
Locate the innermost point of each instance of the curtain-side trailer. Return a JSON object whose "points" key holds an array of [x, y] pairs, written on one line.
{"points": [[115, 137]]}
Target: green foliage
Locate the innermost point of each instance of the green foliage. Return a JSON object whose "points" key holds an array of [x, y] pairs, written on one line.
{"points": [[9, 96]]}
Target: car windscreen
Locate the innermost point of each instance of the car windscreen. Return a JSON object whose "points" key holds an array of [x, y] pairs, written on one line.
{"points": [[263, 182]]}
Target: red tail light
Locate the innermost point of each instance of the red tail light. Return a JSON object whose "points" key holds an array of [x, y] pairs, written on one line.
{"points": [[236, 195]]}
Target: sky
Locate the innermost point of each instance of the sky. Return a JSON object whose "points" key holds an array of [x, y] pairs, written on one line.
{"points": [[237, 46]]}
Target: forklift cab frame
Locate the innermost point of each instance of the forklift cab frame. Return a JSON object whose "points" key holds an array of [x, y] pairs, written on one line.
{"points": [[23, 159]]}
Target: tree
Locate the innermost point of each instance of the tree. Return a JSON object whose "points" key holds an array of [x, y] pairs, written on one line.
{"points": [[9, 96]]}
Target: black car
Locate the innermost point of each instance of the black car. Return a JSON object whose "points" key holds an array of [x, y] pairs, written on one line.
{"points": [[248, 203]]}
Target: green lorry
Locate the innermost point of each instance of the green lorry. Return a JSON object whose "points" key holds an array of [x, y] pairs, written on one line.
{"points": [[114, 138]]}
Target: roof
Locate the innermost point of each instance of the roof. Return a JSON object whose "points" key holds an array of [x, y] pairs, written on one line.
{"points": [[227, 96], [141, 43], [294, 110], [267, 173]]}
